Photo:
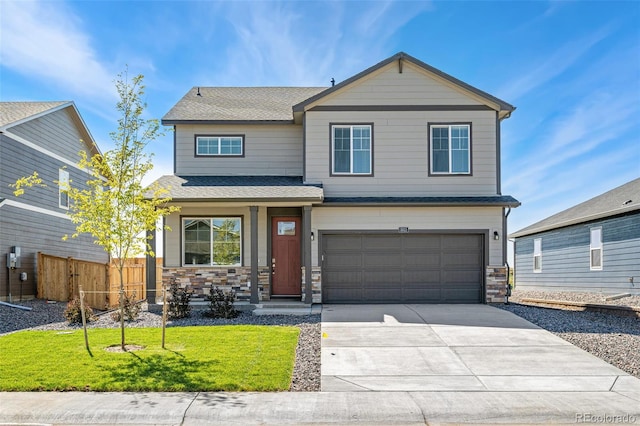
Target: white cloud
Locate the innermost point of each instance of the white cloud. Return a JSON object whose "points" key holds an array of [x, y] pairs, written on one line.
{"points": [[307, 43], [554, 64], [45, 40]]}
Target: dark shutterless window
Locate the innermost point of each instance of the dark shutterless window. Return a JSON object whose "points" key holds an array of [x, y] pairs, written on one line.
{"points": [[352, 149], [212, 241], [210, 145], [450, 146]]}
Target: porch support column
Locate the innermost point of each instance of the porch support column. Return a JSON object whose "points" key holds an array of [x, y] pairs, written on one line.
{"points": [[151, 269], [255, 297], [306, 259]]}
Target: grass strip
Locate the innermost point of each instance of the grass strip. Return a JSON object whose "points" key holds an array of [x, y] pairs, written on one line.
{"points": [[220, 358]]}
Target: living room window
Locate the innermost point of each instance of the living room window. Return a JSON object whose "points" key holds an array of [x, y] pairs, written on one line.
{"points": [[351, 149], [450, 149], [219, 146], [212, 241], [595, 249], [537, 255]]}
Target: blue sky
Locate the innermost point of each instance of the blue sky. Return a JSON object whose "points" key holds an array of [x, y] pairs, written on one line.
{"points": [[572, 69]]}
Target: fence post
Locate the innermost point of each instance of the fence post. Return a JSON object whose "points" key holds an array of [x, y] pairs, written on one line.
{"points": [[70, 286]]}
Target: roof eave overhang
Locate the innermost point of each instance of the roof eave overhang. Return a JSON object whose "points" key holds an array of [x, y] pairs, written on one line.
{"points": [[413, 204], [248, 200], [173, 122], [576, 221]]}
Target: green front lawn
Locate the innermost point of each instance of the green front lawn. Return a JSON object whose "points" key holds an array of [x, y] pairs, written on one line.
{"points": [[221, 358]]}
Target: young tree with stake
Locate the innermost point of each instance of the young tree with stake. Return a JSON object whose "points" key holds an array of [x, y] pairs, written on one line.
{"points": [[116, 209]]}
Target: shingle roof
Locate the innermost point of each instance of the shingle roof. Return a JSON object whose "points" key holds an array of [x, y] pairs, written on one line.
{"points": [[498, 200], [620, 200], [239, 188], [12, 112], [222, 104]]}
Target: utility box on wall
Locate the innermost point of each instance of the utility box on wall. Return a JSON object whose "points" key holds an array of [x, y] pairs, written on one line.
{"points": [[13, 258]]}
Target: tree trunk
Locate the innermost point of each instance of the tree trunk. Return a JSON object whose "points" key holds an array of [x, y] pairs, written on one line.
{"points": [[122, 308]]}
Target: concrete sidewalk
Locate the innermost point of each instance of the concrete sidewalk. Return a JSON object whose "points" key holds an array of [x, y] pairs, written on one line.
{"points": [[321, 408]]}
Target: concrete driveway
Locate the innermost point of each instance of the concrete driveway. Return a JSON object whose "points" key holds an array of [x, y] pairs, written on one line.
{"points": [[455, 348]]}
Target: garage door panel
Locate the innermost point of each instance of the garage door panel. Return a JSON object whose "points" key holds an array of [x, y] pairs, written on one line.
{"points": [[421, 260], [386, 295], [381, 260], [387, 278], [403, 268], [344, 260], [342, 242], [381, 242], [421, 241], [453, 241], [431, 276], [461, 259]]}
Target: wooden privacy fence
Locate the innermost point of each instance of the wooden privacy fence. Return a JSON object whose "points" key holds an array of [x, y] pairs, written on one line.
{"points": [[59, 278]]}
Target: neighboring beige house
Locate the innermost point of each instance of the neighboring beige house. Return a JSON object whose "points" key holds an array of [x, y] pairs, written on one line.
{"points": [[384, 188]]}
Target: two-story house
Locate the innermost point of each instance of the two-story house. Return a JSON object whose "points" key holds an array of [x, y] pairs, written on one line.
{"points": [[44, 137], [384, 188]]}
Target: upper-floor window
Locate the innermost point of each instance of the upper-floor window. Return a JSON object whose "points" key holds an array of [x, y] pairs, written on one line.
{"points": [[595, 249], [537, 255], [351, 148], [450, 149], [63, 189], [212, 241], [210, 145]]}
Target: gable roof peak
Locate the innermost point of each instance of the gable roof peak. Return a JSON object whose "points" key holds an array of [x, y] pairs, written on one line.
{"points": [[505, 109]]}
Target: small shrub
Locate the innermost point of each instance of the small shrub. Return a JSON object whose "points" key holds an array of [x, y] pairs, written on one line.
{"points": [[131, 309], [179, 302], [221, 304], [73, 312]]}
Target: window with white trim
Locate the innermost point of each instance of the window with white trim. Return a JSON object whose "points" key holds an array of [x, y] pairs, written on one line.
{"points": [[212, 241], [450, 148], [219, 146], [537, 255], [351, 148], [595, 249], [63, 189]]}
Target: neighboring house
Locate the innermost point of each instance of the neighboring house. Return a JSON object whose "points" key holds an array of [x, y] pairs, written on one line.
{"points": [[45, 137], [383, 188], [594, 246]]}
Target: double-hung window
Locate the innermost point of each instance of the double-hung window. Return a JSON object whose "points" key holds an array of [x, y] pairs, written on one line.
{"points": [[595, 249], [219, 146], [450, 149], [351, 148], [63, 188], [212, 241], [537, 255]]}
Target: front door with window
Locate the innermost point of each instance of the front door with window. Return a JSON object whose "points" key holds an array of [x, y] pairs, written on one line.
{"points": [[286, 275]]}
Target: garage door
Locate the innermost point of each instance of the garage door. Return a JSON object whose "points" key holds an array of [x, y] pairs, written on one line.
{"points": [[402, 268]]}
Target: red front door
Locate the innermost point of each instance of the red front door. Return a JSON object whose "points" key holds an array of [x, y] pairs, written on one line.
{"points": [[285, 256]]}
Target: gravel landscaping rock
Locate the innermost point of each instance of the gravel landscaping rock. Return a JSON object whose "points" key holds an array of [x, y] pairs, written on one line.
{"points": [[596, 298], [306, 372], [613, 338]]}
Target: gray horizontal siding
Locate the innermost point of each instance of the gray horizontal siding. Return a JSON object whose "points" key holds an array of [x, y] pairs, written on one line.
{"points": [[18, 160], [565, 257], [34, 232], [56, 132]]}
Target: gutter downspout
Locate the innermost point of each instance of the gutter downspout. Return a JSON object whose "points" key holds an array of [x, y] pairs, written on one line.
{"points": [[506, 262]]}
